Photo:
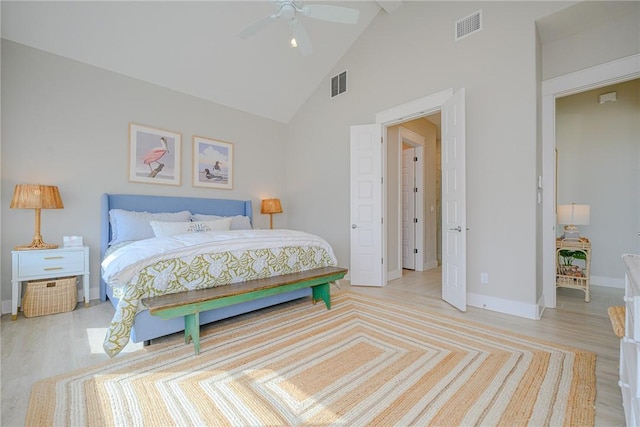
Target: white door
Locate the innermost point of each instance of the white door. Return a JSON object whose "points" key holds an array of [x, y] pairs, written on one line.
{"points": [[366, 206], [408, 209], [454, 221]]}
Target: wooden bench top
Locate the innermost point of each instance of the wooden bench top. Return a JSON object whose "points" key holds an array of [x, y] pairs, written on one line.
{"points": [[164, 302]]}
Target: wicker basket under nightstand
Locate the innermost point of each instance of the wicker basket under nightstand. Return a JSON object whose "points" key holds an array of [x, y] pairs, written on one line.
{"points": [[50, 296]]}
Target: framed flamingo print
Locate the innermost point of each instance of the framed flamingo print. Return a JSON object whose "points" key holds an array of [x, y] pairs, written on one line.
{"points": [[212, 163], [154, 155]]}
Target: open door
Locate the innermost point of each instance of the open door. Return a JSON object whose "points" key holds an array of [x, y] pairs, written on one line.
{"points": [[408, 206], [366, 207], [454, 220]]}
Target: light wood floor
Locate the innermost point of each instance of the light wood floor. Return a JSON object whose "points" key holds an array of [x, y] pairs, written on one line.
{"points": [[40, 347]]}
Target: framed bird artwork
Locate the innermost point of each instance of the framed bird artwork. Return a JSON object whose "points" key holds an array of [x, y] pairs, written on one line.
{"points": [[212, 163], [154, 155]]}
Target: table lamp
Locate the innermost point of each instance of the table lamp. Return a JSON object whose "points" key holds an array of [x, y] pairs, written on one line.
{"points": [[270, 206], [572, 215], [34, 196]]}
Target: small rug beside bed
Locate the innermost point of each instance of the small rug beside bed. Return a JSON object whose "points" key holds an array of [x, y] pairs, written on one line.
{"points": [[365, 361]]}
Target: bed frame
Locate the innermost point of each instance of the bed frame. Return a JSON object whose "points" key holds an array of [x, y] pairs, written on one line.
{"points": [[147, 327]]}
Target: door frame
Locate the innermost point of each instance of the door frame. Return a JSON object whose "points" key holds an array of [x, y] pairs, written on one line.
{"points": [[569, 84], [417, 142], [402, 113]]}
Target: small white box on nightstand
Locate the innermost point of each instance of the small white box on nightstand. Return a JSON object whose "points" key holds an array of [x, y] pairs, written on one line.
{"points": [[72, 241]]}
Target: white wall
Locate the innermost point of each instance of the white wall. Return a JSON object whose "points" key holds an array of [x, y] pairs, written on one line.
{"points": [[66, 124], [598, 149], [410, 54], [613, 38]]}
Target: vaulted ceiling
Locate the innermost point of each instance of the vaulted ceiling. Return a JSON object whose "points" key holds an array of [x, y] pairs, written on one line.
{"points": [[192, 47]]}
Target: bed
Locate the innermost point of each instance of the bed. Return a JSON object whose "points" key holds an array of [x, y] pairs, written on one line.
{"points": [[144, 326]]}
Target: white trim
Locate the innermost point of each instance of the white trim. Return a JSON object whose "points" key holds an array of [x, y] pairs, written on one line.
{"points": [[395, 274], [501, 305], [94, 294], [414, 109], [430, 265], [402, 113], [607, 282], [540, 306], [601, 75], [6, 306]]}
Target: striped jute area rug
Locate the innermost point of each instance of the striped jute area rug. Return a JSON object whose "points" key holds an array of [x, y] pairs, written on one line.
{"points": [[364, 362]]}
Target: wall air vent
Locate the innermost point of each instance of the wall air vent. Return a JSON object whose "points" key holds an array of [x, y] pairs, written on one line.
{"points": [[339, 84], [469, 25]]}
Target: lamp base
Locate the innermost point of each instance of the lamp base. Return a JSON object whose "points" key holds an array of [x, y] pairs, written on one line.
{"points": [[36, 244], [571, 232]]}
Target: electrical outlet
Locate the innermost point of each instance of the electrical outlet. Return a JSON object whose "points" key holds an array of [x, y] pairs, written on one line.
{"points": [[484, 277]]}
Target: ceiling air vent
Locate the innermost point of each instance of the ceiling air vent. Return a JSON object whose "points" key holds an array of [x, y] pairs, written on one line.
{"points": [[469, 25], [339, 84]]}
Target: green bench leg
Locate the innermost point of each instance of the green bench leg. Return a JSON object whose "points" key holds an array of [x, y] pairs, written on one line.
{"points": [[192, 330], [321, 292]]}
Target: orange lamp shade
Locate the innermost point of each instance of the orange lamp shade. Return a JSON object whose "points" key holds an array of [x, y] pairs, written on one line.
{"points": [[270, 206]]}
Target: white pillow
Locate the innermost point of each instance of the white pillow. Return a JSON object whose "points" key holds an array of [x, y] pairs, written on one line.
{"points": [[165, 229], [132, 225], [238, 222]]}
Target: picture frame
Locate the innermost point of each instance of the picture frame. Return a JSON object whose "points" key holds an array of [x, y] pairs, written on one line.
{"points": [[212, 163], [154, 155]]}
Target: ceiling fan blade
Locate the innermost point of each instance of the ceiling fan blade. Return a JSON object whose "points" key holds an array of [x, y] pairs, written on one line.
{"points": [[325, 12], [257, 26], [302, 38]]}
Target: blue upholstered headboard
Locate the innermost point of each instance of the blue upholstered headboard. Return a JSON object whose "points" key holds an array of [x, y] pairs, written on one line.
{"points": [[132, 202]]}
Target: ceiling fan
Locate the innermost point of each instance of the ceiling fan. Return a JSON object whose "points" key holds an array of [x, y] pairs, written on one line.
{"points": [[290, 10]]}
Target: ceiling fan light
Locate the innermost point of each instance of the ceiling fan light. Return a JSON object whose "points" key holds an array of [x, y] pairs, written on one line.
{"points": [[293, 42]]}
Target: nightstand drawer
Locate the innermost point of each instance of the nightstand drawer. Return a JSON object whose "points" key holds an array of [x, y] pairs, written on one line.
{"points": [[59, 264]]}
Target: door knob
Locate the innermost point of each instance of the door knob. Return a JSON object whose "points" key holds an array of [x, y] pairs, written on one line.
{"points": [[458, 229], [354, 226]]}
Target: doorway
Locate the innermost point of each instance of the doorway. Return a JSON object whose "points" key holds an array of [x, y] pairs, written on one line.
{"points": [[368, 206], [413, 195], [598, 148], [577, 82]]}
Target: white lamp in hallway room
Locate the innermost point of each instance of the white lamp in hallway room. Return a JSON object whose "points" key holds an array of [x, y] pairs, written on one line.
{"points": [[572, 215]]}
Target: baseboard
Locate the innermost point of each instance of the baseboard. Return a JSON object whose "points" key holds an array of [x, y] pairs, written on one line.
{"points": [[94, 293], [541, 306], [607, 282], [395, 274], [430, 265], [515, 308], [6, 306]]}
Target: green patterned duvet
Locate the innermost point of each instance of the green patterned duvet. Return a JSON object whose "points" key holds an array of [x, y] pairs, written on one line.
{"points": [[164, 265]]}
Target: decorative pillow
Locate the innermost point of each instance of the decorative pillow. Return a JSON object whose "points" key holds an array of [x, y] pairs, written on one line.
{"points": [[132, 225], [165, 229], [238, 222]]}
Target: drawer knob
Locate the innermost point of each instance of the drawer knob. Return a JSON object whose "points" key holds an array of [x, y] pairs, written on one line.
{"points": [[53, 268]]}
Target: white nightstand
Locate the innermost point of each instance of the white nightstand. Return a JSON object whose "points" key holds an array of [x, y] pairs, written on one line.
{"points": [[47, 264]]}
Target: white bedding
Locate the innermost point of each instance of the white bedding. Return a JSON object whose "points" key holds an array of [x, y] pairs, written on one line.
{"points": [[122, 265], [161, 265]]}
